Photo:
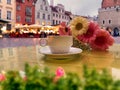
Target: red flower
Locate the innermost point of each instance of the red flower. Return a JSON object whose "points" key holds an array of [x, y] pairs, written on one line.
{"points": [[2, 77], [102, 41], [63, 29], [90, 34], [59, 73]]}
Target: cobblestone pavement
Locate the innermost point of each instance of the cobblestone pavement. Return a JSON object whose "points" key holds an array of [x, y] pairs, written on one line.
{"points": [[14, 42], [117, 39]]}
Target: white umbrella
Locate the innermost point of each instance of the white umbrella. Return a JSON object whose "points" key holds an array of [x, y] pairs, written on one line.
{"points": [[21, 26], [35, 26], [48, 27]]}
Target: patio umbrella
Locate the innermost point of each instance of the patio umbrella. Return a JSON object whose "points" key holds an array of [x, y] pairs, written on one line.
{"points": [[48, 27], [36, 26], [21, 26]]}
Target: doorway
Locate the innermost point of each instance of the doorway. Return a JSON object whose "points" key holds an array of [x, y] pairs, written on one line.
{"points": [[116, 31]]}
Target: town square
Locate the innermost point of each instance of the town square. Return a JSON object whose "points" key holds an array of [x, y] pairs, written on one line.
{"points": [[59, 45]]}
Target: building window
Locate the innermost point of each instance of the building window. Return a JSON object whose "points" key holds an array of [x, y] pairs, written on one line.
{"points": [[56, 22], [43, 16], [38, 14], [48, 17], [9, 15], [18, 7], [53, 14], [10, 51], [44, 2], [18, 18], [59, 16], [28, 11], [9, 27], [109, 21], [59, 10], [65, 17], [53, 22], [62, 11], [46, 8], [103, 22], [8, 1], [28, 19], [56, 15], [0, 13], [1, 53], [62, 17], [41, 7]]}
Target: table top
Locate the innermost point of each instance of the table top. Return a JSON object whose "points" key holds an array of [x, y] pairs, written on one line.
{"points": [[14, 58]]}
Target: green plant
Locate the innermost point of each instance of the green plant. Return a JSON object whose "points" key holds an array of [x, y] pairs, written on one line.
{"points": [[96, 81], [35, 79], [13, 81]]}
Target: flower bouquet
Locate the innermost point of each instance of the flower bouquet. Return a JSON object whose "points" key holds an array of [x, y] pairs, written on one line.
{"points": [[88, 34]]}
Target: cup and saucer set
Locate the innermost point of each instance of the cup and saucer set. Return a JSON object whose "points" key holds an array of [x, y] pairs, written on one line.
{"points": [[59, 47]]}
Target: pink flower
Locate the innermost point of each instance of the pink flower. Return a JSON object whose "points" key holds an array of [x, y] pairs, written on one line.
{"points": [[2, 77], [63, 29], [102, 41], [25, 78], [59, 73], [90, 34]]}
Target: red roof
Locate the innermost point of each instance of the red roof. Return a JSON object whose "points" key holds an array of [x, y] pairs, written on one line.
{"points": [[53, 9], [110, 3]]}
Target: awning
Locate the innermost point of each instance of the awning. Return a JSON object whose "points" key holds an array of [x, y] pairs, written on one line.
{"points": [[4, 21]]}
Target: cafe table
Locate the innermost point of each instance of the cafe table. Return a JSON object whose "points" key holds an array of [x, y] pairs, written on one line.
{"points": [[15, 53]]}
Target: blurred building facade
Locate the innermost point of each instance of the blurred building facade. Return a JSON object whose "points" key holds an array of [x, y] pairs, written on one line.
{"points": [[108, 16], [25, 11], [7, 12], [33, 11], [59, 14], [48, 14], [43, 12]]}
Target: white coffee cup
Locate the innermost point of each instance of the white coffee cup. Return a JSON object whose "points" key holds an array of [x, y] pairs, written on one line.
{"points": [[60, 44]]}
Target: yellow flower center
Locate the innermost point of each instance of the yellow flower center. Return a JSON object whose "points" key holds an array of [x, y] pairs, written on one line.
{"points": [[79, 26]]}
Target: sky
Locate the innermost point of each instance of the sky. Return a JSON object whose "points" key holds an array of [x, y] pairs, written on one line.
{"points": [[81, 7]]}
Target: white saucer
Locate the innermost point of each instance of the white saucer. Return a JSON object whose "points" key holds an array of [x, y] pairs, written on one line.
{"points": [[46, 51]]}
